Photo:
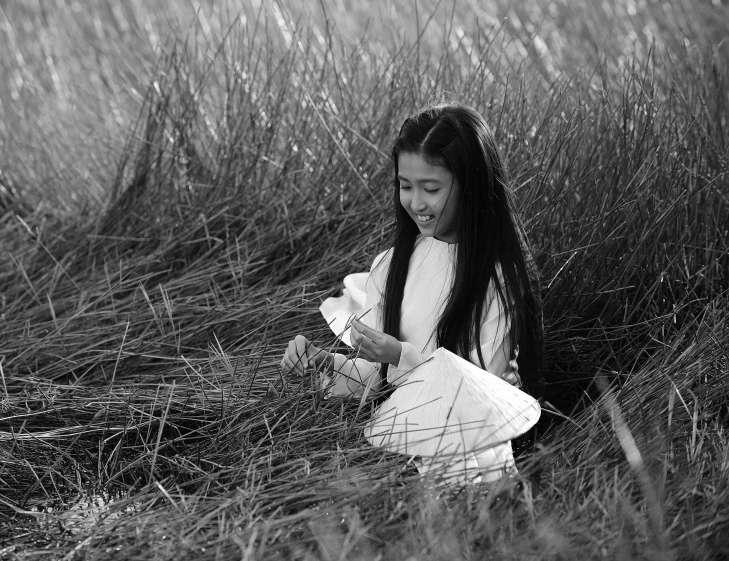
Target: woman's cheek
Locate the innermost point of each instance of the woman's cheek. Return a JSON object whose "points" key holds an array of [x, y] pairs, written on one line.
{"points": [[404, 200], [437, 204]]}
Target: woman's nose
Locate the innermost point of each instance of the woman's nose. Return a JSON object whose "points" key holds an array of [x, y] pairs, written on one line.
{"points": [[418, 202]]}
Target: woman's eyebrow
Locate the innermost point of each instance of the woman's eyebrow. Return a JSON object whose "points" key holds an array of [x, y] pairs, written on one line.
{"points": [[421, 180]]}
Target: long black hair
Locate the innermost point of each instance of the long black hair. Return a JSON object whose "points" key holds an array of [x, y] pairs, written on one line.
{"points": [[488, 232]]}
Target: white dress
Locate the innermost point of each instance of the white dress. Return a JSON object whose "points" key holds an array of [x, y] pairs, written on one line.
{"points": [[427, 288]]}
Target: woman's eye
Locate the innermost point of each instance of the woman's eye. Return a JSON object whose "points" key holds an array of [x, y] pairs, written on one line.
{"points": [[404, 187], [431, 191]]}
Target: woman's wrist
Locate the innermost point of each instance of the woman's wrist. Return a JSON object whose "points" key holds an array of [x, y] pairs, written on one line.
{"points": [[396, 353], [324, 357]]}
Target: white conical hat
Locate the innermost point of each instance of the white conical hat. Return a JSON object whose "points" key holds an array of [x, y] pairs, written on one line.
{"points": [[339, 311], [450, 406]]}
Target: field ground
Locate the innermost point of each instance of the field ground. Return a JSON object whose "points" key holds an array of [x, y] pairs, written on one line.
{"points": [[182, 183]]}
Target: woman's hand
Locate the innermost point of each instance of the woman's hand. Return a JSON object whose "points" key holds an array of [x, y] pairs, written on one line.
{"points": [[374, 345], [302, 354]]}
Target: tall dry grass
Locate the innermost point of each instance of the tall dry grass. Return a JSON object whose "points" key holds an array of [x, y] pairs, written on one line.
{"points": [[145, 304]]}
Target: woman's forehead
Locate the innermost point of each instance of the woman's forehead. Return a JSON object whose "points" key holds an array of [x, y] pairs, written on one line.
{"points": [[415, 167]]}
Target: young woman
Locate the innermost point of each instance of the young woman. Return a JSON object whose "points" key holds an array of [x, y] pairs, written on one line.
{"points": [[459, 275]]}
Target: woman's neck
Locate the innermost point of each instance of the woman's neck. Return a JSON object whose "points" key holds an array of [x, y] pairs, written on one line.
{"points": [[448, 239]]}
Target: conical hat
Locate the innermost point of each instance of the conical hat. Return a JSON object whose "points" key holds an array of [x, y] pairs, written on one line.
{"points": [[450, 406], [339, 311]]}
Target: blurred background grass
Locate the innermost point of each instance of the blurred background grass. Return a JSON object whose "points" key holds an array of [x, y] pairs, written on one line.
{"points": [[178, 177]]}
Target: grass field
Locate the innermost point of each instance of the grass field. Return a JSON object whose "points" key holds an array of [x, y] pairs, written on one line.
{"points": [[181, 183]]}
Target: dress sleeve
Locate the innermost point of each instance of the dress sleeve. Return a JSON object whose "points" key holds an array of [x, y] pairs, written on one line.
{"points": [[495, 342], [351, 375]]}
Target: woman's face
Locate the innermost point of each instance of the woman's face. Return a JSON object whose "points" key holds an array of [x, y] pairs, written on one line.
{"points": [[430, 196]]}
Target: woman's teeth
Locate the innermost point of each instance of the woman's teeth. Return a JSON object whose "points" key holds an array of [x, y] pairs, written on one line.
{"points": [[422, 218]]}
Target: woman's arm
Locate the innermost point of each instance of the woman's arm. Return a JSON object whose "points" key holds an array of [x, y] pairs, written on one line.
{"points": [[351, 375]]}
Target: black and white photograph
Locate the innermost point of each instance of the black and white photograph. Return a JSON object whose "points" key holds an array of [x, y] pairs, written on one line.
{"points": [[389, 280]]}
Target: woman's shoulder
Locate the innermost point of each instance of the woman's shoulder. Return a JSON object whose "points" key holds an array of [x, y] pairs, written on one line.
{"points": [[382, 260], [378, 270]]}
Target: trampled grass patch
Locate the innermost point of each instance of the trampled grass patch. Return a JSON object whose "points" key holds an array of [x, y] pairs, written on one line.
{"points": [[179, 189]]}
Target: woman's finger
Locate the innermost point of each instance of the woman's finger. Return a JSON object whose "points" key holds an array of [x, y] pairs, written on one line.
{"points": [[356, 330], [359, 335], [296, 368], [299, 346], [311, 353], [290, 362], [306, 350], [293, 361], [363, 347], [354, 336], [300, 364], [296, 358], [366, 342], [366, 331]]}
